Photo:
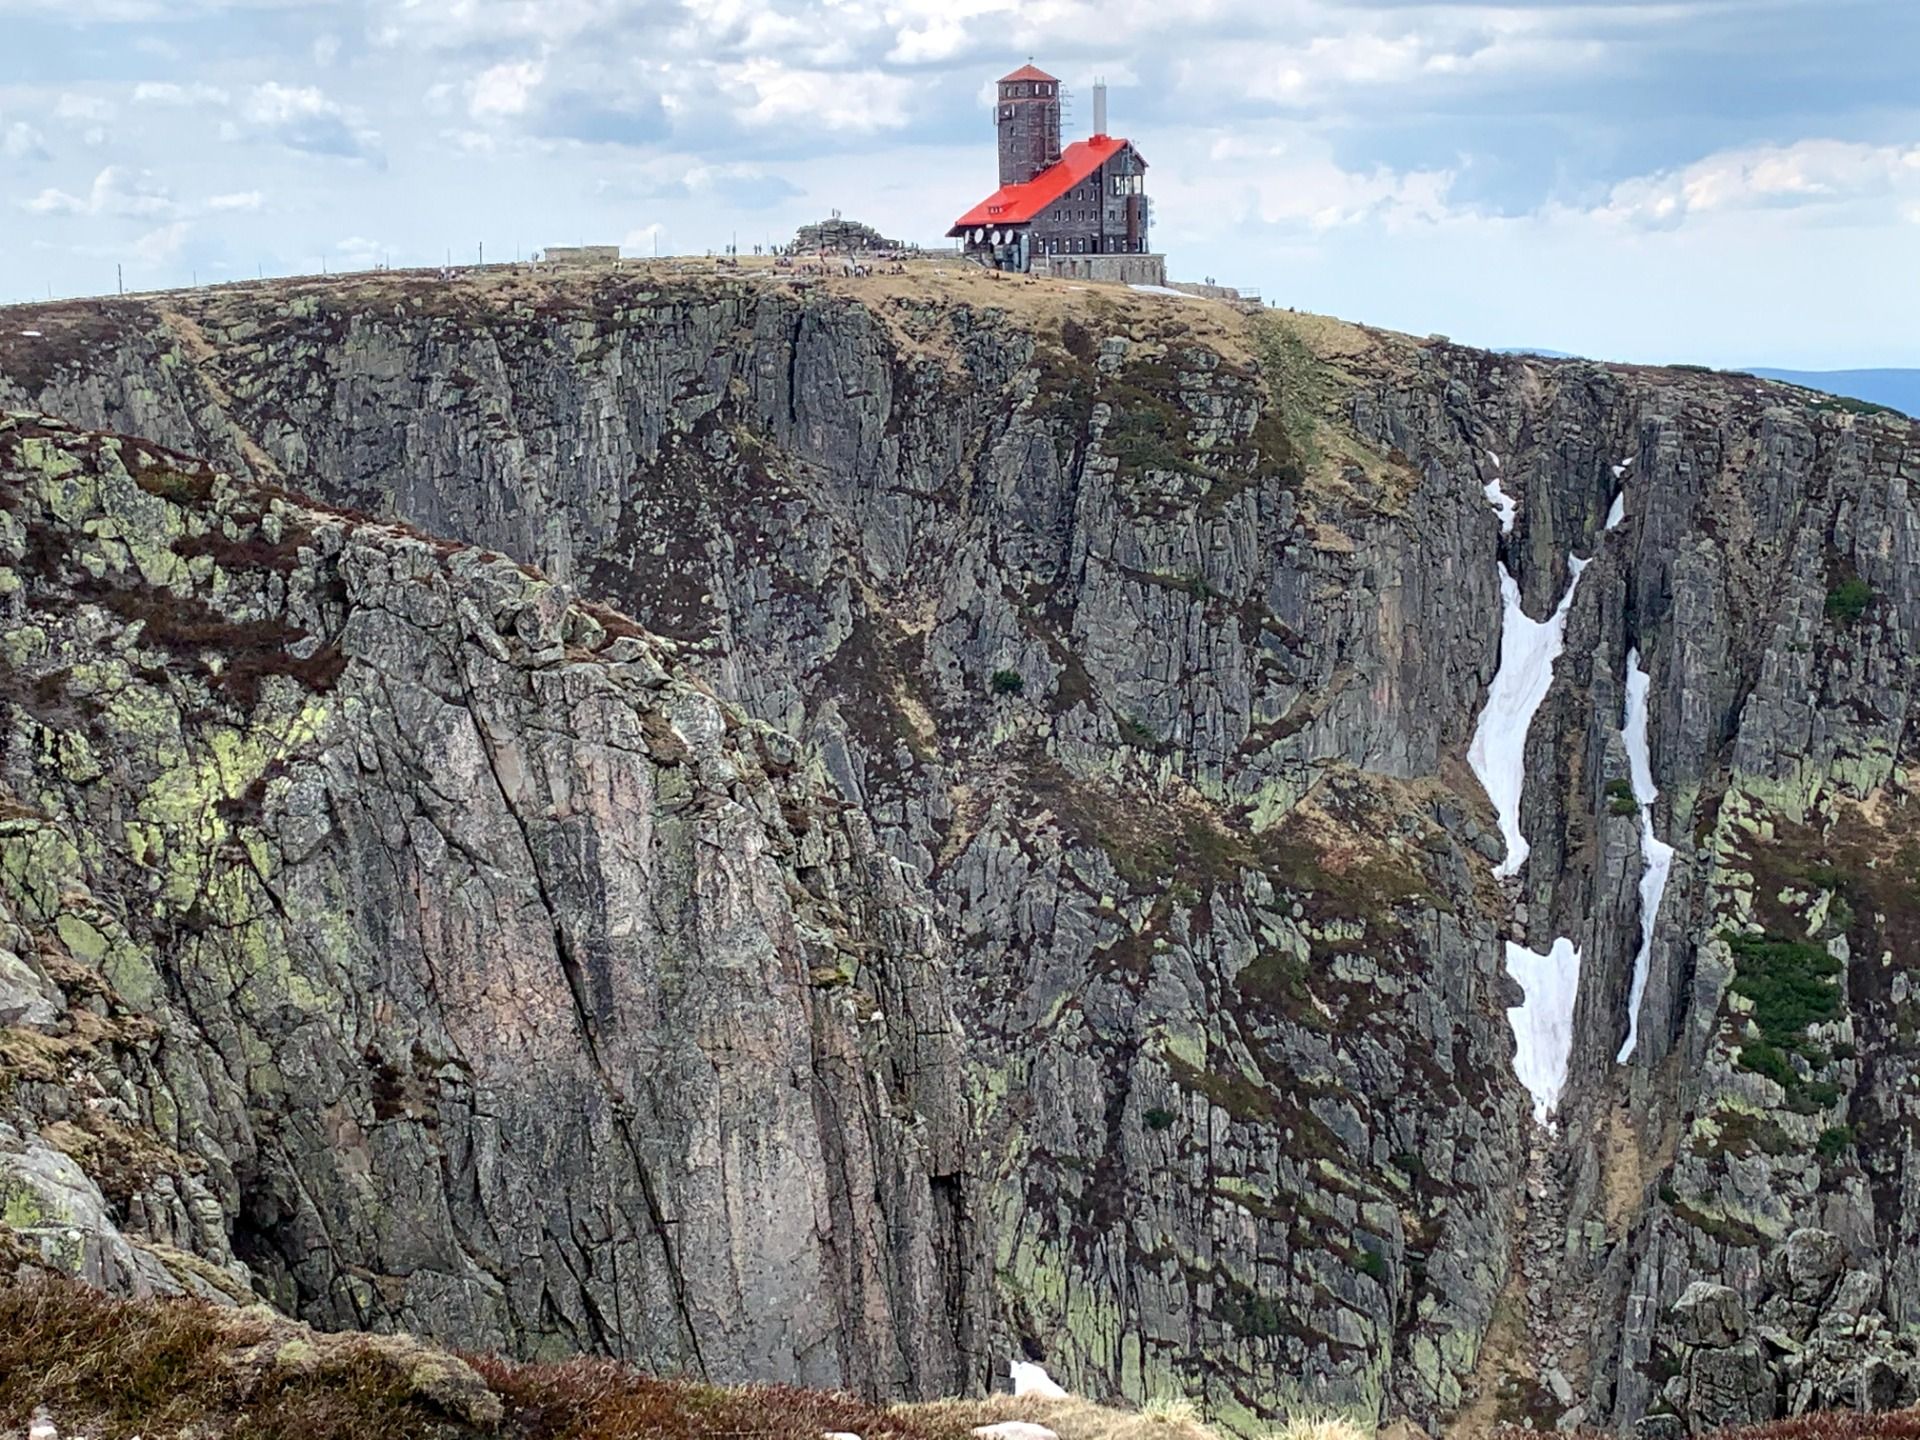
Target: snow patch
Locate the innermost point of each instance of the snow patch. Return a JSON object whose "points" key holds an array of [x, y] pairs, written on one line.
{"points": [[1543, 1022], [1618, 512], [1031, 1379], [1498, 497], [1163, 290], [31, 334], [1502, 504], [1655, 854], [1498, 754]]}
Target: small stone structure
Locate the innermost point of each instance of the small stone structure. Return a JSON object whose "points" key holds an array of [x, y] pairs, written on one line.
{"points": [[602, 256], [841, 236]]}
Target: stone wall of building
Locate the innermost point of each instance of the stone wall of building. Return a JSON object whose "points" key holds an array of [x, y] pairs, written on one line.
{"points": [[1104, 269]]}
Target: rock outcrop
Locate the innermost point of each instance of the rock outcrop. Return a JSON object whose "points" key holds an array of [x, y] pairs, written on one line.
{"points": [[1148, 637]]}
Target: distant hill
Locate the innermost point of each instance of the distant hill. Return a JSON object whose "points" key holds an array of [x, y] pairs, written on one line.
{"points": [[1897, 389]]}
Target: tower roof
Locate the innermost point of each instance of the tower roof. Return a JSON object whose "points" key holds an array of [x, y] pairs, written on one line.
{"points": [[1027, 72]]}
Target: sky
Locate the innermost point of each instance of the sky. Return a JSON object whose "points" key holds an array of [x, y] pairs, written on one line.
{"points": [[1729, 182]]}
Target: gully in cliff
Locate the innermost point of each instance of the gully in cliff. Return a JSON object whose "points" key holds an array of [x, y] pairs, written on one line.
{"points": [[1543, 1021]]}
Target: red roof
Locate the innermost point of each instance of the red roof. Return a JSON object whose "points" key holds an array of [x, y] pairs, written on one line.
{"points": [[1027, 72], [1020, 204]]}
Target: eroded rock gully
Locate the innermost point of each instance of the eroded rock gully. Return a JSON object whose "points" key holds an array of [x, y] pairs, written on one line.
{"points": [[1125, 654]]}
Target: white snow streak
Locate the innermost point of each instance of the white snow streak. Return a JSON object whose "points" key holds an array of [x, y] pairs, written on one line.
{"points": [[1498, 754], [1656, 855], [1543, 1022], [1498, 497], [1619, 510], [1029, 1379]]}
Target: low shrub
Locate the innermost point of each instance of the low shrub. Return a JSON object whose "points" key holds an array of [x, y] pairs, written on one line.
{"points": [[1834, 1142], [1848, 600]]}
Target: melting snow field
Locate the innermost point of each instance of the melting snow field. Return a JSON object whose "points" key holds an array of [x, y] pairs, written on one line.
{"points": [[1543, 1022], [1498, 754], [1163, 290], [1656, 855], [1030, 1379]]}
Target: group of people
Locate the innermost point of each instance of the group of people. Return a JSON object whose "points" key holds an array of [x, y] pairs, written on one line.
{"points": [[854, 265]]}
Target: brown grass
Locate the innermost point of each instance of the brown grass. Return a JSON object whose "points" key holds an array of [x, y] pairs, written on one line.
{"points": [[116, 1368], [1834, 1425], [113, 1369], [590, 1399]]}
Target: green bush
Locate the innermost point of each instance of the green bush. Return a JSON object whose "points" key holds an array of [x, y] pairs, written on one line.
{"points": [[1790, 982], [1848, 600], [1008, 682], [1137, 733], [1158, 1119], [1770, 1061], [1620, 798], [1251, 1315], [1834, 1141]]}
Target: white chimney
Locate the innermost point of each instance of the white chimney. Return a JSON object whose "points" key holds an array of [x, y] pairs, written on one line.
{"points": [[1099, 107]]}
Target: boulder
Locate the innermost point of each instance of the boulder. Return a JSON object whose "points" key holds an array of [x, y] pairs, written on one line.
{"points": [[1709, 1316], [1731, 1386]]}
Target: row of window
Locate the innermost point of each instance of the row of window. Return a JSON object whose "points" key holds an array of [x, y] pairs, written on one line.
{"points": [[1080, 245], [1024, 89]]}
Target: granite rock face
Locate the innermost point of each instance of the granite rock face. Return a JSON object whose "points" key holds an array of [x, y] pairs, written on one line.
{"points": [[1147, 638], [431, 952]]}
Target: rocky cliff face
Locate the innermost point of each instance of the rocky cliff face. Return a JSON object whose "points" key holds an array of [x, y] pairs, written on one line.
{"points": [[1148, 638], [386, 933]]}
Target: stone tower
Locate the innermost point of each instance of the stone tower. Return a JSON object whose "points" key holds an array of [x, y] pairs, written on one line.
{"points": [[1028, 119]]}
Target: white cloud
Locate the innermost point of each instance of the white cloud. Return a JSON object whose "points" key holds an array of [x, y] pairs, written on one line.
{"points": [[55, 202], [20, 141], [167, 92], [72, 107], [161, 246], [116, 190], [304, 118], [238, 200], [770, 93], [1297, 185], [505, 89], [1808, 173]]}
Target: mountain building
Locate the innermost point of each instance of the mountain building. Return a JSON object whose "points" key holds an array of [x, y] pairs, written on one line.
{"points": [[1079, 212]]}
